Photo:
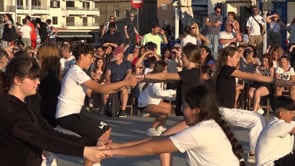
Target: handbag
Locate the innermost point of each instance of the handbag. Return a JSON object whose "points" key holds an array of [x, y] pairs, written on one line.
{"points": [[113, 105], [260, 26]]}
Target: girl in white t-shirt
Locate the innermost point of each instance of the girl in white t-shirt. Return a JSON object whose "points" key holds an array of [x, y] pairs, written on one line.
{"points": [[285, 72], [208, 140], [150, 100]]}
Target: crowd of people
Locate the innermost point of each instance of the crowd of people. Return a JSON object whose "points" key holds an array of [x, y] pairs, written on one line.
{"points": [[44, 85]]}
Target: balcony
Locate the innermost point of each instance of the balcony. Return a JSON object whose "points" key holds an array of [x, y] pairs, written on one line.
{"points": [[79, 11], [80, 24], [40, 10]]}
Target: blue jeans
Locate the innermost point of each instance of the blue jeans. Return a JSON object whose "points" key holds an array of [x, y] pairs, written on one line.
{"points": [[214, 45]]}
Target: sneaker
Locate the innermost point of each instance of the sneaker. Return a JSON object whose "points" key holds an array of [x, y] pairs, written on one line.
{"points": [[251, 158], [122, 114], [161, 129], [48, 160], [260, 111], [153, 132], [144, 114]]}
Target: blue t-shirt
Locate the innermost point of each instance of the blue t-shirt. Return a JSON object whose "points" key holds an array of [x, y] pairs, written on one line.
{"points": [[118, 71]]}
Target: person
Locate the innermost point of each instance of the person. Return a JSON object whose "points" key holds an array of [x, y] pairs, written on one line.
{"points": [[230, 35], [199, 38], [207, 141], [291, 30], [73, 90], [276, 141], [3, 64], [232, 18], [213, 26], [118, 70], [25, 33], [206, 57], [275, 26], [51, 32], [42, 30], [9, 33], [112, 37], [285, 72], [157, 36], [25, 136], [226, 72], [130, 30], [105, 28], [67, 59], [256, 29], [150, 101], [259, 89], [33, 32]]}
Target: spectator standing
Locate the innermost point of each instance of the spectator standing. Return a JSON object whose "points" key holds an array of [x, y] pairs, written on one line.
{"points": [[200, 38], [106, 25], [256, 29], [33, 33], [119, 70], [291, 30], [112, 37], [130, 30], [9, 33], [157, 36], [231, 35], [25, 33], [42, 29], [274, 37], [213, 26], [51, 31]]}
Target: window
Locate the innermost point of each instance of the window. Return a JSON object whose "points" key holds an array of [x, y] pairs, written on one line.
{"points": [[36, 2], [19, 4], [70, 21], [85, 21], [86, 5], [54, 20], [54, 4], [70, 4], [117, 13]]}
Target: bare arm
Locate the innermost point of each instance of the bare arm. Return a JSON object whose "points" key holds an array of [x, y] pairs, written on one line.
{"points": [[153, 146], [106, 88], [225, 41], [204, 39], [125, 31], [252, 76], [161, 77]]}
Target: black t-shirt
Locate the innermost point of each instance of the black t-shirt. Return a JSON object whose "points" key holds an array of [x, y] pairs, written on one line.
{"points": [[189, 79], [113, 38], [226, 87], [130, 27]]}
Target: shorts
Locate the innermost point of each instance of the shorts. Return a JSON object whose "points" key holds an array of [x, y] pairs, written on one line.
{"points": [[84, 125]]}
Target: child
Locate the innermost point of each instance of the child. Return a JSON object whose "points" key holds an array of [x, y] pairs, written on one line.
{"points": [[150, 100], [275, 143]]}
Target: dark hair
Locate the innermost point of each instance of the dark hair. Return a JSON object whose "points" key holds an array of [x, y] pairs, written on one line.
{"points": [[3, 52], [232, 14], [82, 49], [269, 59], [217, 7], [206, 69], [200, 97], [277, 102], [192, 53], [187, 29], [28, 18], [112, 25], [221, 61], [9, 16], [21, 66], [159, 67], [150, 46], [152, 60], [209, 56], [48, 21]]}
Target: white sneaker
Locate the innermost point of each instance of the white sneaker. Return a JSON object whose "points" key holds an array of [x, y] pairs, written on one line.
{"points": [[161, 129], [260, 111], [153, 132], [251, 158]]}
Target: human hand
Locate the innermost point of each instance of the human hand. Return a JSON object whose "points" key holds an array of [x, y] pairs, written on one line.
{"points": [[93, 154]]}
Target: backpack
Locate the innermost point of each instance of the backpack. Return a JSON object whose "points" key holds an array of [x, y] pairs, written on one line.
{"points": [[113, 105]]}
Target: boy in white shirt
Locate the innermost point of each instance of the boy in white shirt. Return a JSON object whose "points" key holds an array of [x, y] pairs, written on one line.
{"points": [[275, 143]]}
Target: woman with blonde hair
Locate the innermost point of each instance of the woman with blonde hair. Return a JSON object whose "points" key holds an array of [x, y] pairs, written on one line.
{"points": [[200, 38]]}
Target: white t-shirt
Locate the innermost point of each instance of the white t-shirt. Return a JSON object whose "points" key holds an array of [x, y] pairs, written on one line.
{"points": [[225, 35], [254, 26], [274, 142], [188, 39], [26, 31], [71, 97], [206, 144], [285, 75], [66, 63], [153, 94]]}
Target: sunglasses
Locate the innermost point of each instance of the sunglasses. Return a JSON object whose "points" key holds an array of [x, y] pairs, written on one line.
{"points": [[193, 27]]}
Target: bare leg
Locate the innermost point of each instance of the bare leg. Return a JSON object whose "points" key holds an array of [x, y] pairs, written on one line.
{"points": [[262, 91]]}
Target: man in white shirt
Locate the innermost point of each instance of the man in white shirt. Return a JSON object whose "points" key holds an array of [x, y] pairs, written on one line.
{"points": [[275, 143], [256, 28], [231, 34]]}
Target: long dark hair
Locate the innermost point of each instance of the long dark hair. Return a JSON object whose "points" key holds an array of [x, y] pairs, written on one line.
{"points": [[9, 16], [209, 56], [200, 97]]}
